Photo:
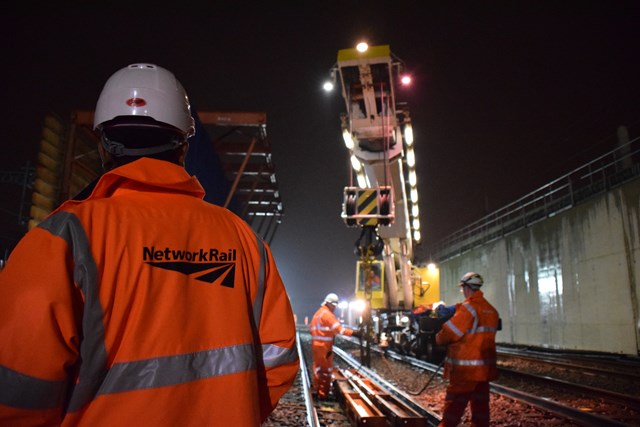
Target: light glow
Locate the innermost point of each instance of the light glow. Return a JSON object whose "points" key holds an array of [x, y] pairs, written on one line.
{"points": [[414, 195], [411, 157], [348, 140], [413, 179], [362, 181], [415, 211], [362, 47], [408, 135], [355, 163], [405, 80], [357, 305], [416, 235], [416, 224], [327, 86]]}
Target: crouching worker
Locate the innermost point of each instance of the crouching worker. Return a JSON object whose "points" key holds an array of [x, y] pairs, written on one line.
{"points": [[324, 327]]}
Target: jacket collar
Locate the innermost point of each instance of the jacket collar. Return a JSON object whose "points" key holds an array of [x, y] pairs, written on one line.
{"points": [[142, 174]]}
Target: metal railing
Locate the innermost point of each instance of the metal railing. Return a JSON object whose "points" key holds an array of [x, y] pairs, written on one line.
{"points": [[599, 175]]}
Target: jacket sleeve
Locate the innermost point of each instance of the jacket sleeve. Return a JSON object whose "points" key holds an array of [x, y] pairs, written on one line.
{"points": [[456, 327], [40, 308], [277, 333]]}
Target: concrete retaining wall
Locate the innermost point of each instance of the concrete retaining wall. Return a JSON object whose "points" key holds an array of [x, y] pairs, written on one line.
{"points": [[568, 282]]}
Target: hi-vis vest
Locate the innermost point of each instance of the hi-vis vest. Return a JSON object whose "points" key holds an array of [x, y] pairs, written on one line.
{"points": [[143, 305], [325, 326], [470, 335]]}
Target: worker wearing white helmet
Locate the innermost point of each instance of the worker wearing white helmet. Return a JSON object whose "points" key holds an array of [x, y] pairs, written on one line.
{"points": [[471, 354], [324, 327], [117, 326]]}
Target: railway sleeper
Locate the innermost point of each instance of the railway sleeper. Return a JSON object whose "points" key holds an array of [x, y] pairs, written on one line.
{"points": [[350, 383], [358, 408]]}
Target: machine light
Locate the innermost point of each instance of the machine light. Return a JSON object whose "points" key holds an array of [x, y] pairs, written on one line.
{"points": [[362, 47], [414, 195], [408, 135], [362, 181], [328, 86], [416, 224], [415, 211], [411, 157], [405, 80], [355, 163], [412, 178], [416, 235], [357, 305], [348, 140], [431, 267]]}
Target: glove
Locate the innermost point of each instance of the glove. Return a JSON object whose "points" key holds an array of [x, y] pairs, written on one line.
{"points": [[445, 312], [357, 334]]}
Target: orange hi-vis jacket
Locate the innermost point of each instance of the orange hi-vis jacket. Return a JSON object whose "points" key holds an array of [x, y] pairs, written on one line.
{"points": [[325, 326], [143, 305], [471, 338]]}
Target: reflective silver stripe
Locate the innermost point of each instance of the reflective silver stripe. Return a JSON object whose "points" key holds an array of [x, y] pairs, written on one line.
{"points": [[93, 354], [486, 329], [482, 362], [257, 303], [276, 356], [320, 328], [336, 326], [184, 368], [322, 338], [472, 310], [453, 328], [26, 392]]}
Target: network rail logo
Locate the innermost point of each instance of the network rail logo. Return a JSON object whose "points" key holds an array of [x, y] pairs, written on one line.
{"points": [[206, 265]]}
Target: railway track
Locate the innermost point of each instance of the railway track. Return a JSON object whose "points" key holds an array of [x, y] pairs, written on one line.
{"points": [[392, 392], [539, 400]]}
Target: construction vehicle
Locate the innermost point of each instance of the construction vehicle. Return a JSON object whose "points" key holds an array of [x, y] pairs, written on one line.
{"points": [[383, 199]]}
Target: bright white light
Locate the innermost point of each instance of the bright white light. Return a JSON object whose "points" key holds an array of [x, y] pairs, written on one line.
{"points": [[416, 235], [362, 47], [414, 195], [348, 141], [343, 304], [357, 305], [411, 157], [431, 267], [405, 80], [415, 211], [412, 178], [327, 86], [355, 163], [362, 181], [408, 135], [416, 224]]}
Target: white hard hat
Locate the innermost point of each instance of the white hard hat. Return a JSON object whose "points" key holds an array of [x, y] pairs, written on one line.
{"points": [[332, 299], [145, 90], [471, 279]]}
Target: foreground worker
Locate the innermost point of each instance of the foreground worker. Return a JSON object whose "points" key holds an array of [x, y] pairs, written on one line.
{"points": [[141, 304], [471, 354], [324, 327]]}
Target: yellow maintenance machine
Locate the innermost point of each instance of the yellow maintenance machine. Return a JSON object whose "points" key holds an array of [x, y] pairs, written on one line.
{"points": [[382, 198]]}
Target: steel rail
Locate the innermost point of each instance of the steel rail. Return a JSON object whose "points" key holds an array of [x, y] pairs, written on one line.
{"points": [[560, 410], [312, 414]]}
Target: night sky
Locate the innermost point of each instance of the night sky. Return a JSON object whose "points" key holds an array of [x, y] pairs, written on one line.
{"points": [[504, 100]]}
